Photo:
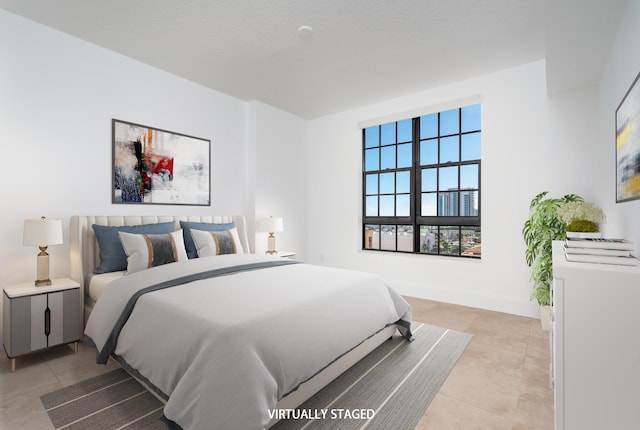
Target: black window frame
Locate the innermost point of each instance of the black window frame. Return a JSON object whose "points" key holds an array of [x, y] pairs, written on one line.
{"points": [[415, 220]]}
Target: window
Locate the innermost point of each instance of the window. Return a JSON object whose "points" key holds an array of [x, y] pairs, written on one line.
{"points": [[421, 184]]}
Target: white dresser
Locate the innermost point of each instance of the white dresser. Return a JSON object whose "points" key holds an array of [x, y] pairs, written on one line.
{"points": [[595, 337]]}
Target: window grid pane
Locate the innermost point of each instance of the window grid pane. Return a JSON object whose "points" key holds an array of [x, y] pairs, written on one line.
{"points": [[471, 118], [429, 239], [470, 147], [387, 183], [449, 122], [428, 152], [405, 238], [403, 182], [372, 160], [405, 130], [371, 186], [450, 149], [449, 240], [429, 204], [388, 134], [388, 238], [388, 160], [405, 155], [372, 137], [403, 205], [372, 237], [387, 205], [471, 241], [371, 206]]}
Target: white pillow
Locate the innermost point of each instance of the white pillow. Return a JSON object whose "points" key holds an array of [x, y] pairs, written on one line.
{"points": [[148, 250], [210, 243]]}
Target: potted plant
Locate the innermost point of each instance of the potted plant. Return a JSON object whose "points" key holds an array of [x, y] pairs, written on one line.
{"points": [[582, 219], [543, 226]]}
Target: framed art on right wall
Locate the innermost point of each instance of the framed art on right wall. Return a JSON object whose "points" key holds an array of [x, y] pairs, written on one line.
{"points": [[628, 145]]}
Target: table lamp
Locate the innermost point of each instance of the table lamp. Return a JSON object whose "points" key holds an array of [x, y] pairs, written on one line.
{"points": [[42, 233], [271, 225]]}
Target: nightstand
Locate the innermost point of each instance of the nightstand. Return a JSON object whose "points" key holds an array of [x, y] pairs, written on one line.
{"points": [[36, 318], [286, 254]]}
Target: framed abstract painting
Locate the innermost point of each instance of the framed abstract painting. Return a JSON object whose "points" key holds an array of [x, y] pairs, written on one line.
{"points": [[628, 145], [154, 166]]}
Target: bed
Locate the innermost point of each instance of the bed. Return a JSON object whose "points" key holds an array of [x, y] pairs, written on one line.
{"points": [[226, 339]]}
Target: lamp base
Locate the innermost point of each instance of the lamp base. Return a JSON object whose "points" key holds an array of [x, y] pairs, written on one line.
{"points": [[271, 244], [43, 268]]}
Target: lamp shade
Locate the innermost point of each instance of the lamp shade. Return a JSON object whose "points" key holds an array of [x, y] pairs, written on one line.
{"points": [[42, 232], [271, 224]]}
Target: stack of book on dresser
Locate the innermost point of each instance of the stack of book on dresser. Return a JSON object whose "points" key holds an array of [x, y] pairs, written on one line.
{"points": [[600, 250]]}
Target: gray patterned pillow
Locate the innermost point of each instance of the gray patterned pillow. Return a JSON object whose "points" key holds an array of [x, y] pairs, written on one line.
{"points": [[149, 250], [210, 243]]}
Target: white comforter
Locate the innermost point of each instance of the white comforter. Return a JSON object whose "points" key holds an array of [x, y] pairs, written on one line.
{"points": [[225, 350]]}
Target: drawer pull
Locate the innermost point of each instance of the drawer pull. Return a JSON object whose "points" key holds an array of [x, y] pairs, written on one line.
{"points": [[47, 322]]}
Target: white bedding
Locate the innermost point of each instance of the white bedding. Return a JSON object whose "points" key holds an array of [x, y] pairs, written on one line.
{"points": [[225, 350], [98, 283]]}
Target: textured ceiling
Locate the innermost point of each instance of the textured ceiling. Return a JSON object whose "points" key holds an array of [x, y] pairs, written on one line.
{"points": [[360, 51]]}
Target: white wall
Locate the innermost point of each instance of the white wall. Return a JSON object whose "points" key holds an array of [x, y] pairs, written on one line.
{"points": [[278, 147], [531, 143], [622, 67], [58, 95]]}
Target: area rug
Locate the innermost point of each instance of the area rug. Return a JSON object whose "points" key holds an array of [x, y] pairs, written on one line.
{"points": [[113, 400], [390, 388]]}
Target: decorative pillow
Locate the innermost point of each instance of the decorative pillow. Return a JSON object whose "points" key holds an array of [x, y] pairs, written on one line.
{"points": [[112, 256], [192, 252], [210, 243], [149, 250]]}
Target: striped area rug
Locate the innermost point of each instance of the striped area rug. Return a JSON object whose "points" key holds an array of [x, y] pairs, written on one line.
{"points": [[389, 389], [113, 400]]}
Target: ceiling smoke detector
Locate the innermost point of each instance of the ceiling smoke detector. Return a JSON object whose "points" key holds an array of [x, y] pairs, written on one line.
{"points": [[305, 30]]}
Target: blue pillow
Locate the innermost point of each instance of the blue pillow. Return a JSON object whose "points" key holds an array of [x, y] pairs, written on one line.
{"points": [[190, 246], [112, 256]]}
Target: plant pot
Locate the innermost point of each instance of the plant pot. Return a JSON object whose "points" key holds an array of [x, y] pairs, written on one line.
{"points": [[583, 235], [545, 317]]}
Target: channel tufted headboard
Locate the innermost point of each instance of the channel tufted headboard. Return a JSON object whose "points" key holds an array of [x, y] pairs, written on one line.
{"points": [[84, 253]]}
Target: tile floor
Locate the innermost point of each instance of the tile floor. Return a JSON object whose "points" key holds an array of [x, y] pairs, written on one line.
{"points": [[500, 382], [502, 379]]}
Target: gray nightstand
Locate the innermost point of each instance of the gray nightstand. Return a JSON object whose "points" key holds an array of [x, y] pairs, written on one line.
{"points": [[36, 318]]}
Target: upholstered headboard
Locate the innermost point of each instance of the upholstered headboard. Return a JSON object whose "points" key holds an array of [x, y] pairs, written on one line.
{"points": [[83, 247]]}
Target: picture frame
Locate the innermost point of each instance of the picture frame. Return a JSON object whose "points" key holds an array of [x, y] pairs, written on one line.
{"points": [[156, 166], [628, 145]]}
